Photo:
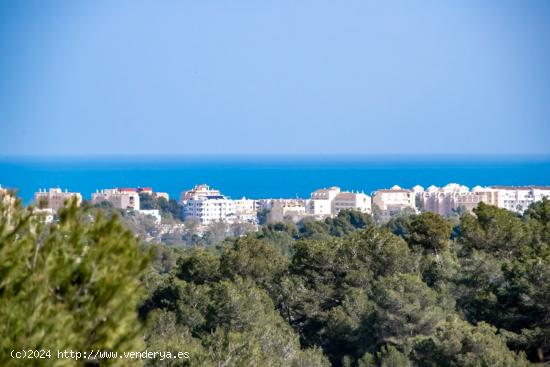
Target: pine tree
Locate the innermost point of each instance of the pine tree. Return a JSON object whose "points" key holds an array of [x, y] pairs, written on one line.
{"points": [[73, 284]]}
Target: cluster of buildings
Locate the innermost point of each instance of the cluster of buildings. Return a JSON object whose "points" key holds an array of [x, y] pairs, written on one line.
{"points": [[455, 198], [50, 201], [207, 205]]}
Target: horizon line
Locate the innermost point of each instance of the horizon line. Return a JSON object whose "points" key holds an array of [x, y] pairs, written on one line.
{"points": [[275, 155]]}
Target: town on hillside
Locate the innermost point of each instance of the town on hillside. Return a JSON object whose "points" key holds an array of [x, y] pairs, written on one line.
{"points": [[204, 206]]}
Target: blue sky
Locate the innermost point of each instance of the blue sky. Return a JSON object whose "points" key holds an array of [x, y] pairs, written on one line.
{"points": [[274, 77]]}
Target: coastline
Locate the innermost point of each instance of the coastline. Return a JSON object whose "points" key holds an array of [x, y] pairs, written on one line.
{"points": [[269, 175]]}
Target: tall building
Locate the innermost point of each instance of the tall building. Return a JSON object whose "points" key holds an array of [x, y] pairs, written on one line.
{"points": [[245, 210], [120, 198], [477, 195], [454, 198], [518, 198], [442, 200], [207, 205], [201, 190], [329, 202], [293, 209], [55, 198], [393, 201], [351, 200], [321, 201]]}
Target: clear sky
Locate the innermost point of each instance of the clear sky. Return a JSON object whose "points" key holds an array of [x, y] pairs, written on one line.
{"points": [[274, 77]]}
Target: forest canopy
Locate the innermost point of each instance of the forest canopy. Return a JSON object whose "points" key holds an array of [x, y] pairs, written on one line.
{"points": [[420, 290]]}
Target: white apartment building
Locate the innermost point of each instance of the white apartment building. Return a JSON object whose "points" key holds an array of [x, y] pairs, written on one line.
{"points": [[207, 205], [452, 197], [518, 198], [55, 198], [393, 201], [293, 209], [478, 195], [351, 200], [321, 201], [442, 200], [329, 202], [245, 210], [120, 198], [201, 190]]}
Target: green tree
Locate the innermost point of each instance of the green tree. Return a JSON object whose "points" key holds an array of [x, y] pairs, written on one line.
{"points": [[252, 258], [168, 208], [459, 344], [199, 265], [376, 251], [537, 217], [347, 222], [430, 231], [405, 307], [494, 230], [73, 284], [389, 356]]}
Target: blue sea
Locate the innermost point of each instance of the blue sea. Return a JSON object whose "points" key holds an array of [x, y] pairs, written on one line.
{"points": [[267, 176]]}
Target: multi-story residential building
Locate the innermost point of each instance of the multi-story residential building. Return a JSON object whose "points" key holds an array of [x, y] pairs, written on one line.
{"points": [[329, 202], [518, 198], [443, 200], [320, 204], [245, 210], [351, 200], [55, 198], [293, 209], [207, 205], [478, 195], [201, 190], [120, 198], [453, 198], [393, 201]]}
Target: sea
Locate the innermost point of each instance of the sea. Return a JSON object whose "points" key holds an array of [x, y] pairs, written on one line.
{"points": [[266, 176]]}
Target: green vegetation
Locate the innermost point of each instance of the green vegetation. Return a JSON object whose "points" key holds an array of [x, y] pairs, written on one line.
{"points": [[170, 210], [70, 285], [418, 291]]}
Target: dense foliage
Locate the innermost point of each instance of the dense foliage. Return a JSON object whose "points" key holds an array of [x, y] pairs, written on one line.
{"points": [[169, 209], [72, 285], [420, 290]]}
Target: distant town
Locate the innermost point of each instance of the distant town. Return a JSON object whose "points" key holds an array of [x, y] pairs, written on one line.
{"points": [[207, 205]]}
